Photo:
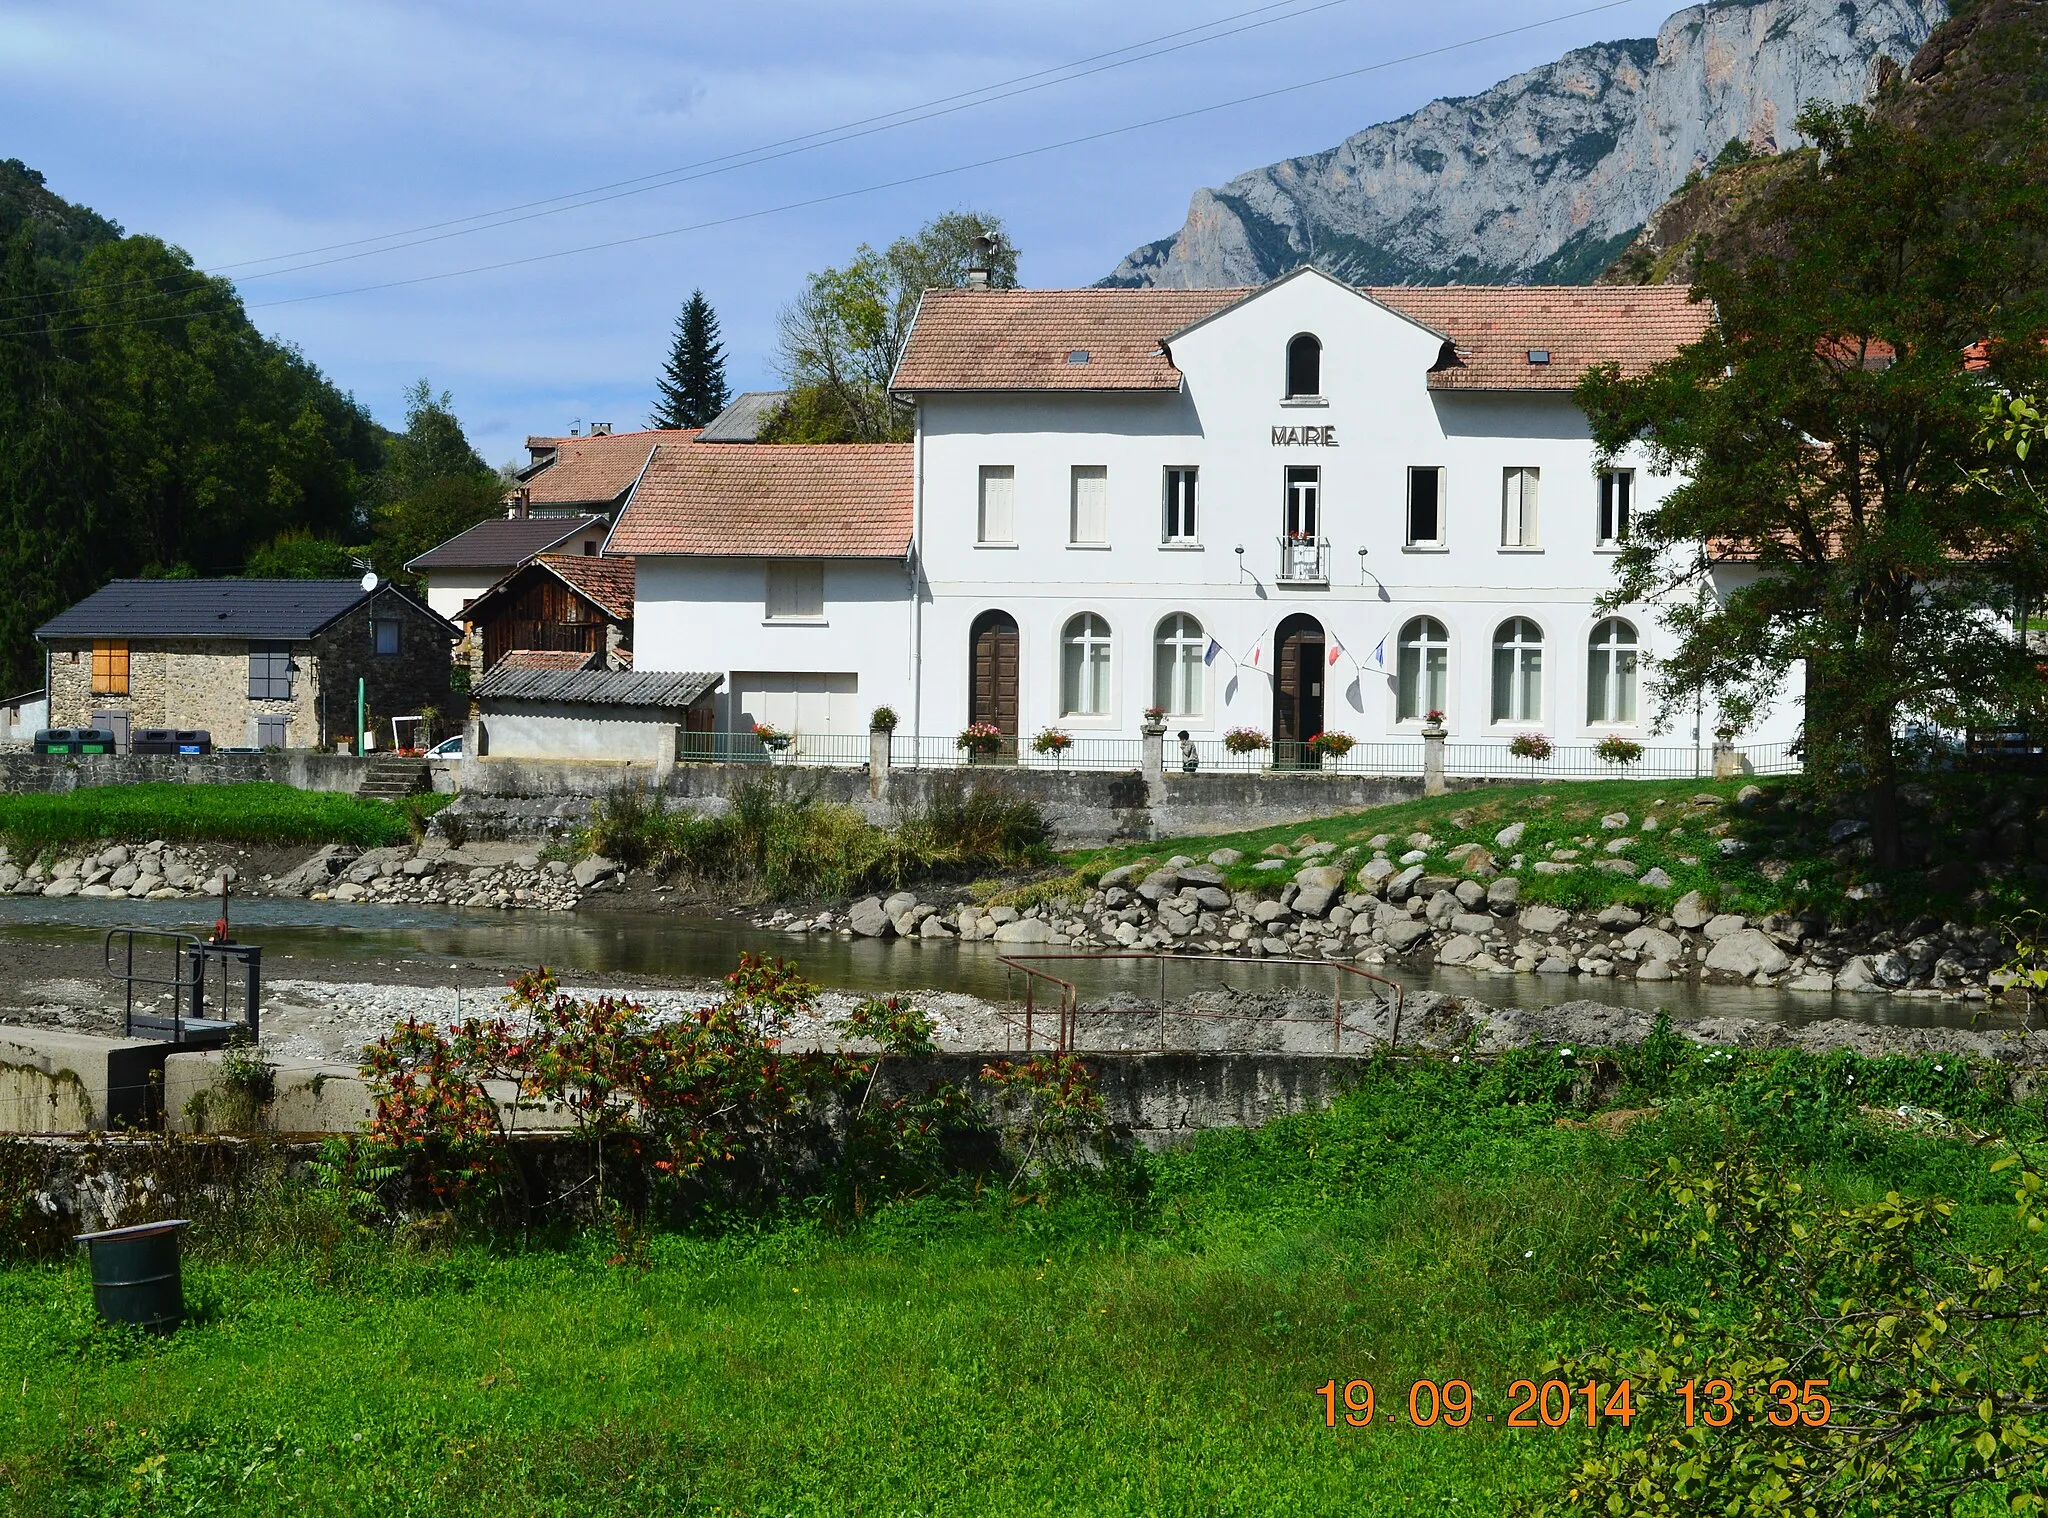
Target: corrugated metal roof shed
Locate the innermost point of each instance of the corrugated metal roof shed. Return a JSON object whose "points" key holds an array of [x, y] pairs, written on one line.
{"points": [[598, 687]]}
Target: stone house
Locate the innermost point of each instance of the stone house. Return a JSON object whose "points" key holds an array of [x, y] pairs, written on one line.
{"points": [[257, 663]]}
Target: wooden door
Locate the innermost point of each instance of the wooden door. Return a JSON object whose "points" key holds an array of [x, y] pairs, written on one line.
{"points": [[994, 694], [1297, 687]]}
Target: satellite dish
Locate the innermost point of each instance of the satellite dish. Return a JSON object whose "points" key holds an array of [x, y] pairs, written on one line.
{"points": [[370, 580]]}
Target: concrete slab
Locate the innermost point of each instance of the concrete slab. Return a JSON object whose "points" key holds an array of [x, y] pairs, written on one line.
{"points": [[52, 1081], [300, 1096]]}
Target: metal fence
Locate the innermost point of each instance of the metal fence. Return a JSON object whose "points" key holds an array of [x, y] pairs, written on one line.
{"points": [[1491, 760]]}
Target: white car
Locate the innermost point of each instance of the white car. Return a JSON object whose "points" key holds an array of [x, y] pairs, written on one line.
{"points": [[447, 748]]}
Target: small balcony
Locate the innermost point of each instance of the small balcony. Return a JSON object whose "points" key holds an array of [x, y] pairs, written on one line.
{"points": [[1304, 561]]}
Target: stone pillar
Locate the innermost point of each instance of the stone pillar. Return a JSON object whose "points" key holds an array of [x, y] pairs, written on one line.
{"points": [[1154, 760], [878, 765], [1729, 762], [1433, 761], [670, 740]]}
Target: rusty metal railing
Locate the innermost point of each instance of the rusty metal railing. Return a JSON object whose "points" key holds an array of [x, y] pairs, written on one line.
{"points": [[1069, 1008]]}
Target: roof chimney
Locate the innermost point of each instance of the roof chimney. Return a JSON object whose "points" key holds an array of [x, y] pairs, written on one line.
{"points": [[978, 265], [600, 429]]}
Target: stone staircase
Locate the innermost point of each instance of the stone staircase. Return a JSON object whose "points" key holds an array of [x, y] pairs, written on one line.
{"points": [[393, 779]]}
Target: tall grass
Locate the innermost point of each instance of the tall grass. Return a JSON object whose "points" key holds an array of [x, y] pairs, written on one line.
{"points": [[255, 813], [777, 840]]}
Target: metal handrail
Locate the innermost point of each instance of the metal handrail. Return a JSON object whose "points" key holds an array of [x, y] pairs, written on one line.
{"points": [[179, 982], [1070, 1011]]}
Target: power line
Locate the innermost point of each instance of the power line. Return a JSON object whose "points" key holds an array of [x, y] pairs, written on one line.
{"points": [[787, 147], [908, 179]]}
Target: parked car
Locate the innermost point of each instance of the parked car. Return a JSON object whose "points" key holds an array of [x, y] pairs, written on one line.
{"points": [[447, 748]]}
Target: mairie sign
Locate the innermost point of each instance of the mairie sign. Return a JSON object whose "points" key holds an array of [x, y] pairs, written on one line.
{"points": [[1311, 437]]}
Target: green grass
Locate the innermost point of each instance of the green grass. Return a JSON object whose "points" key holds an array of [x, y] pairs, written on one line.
{"points": [[1139, 1351], [1786, 864], [258, 813]]}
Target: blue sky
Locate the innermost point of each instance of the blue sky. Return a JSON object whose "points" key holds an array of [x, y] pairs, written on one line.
{"points": [[245, 131]]}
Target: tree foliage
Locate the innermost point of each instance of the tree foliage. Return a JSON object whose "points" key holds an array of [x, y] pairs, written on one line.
{"points": [[434, 486], [841, 338], [692, 388], [1829, 431]]}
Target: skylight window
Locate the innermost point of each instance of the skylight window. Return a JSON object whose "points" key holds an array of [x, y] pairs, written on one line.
{"points": [[1078, 356], [1539, 355]]}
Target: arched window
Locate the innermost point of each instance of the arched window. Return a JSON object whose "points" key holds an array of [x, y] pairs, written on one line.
{"points": [[1518, 671], [1305, 366], [1084, 666], [1611, 672], [1177, 666], [1423, 664]]}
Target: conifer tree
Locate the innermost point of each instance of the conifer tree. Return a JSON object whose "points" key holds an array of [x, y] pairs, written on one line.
{"points": [[692, 385]]}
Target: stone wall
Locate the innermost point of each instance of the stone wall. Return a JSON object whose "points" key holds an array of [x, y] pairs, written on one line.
{"points": [[395, 685], [185, 683]]}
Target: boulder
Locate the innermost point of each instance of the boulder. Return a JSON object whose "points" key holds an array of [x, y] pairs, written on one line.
{"points": [[1724, 924], [1553, 965], [869, 918], [1540, 919], [1120, 875], [1160, 884], [1617, 866], [348, 890], [899, 903], [1415, 856], [1690, 911], [1811, 980], [114, 857], [1403, 883], [587, 872], [1375, 871], [1202, 875], [1472, 922], [1469, 893], [1892, 968], [1328, 876], [1614, 820], [1618, 916], [934, 927], [1460, 950], [1224, 858], [1173, 920], [1504, 893], [1857, 975], [1272, 864], [1270, 911], [1552, 867], [1215, 898], [1654, 969], [1024, 930], [1317, 850], [1314, 900], [1511, 835], [1747, 952], [1405, 935], [1655, 878], [1653, 943], [123, 877]]}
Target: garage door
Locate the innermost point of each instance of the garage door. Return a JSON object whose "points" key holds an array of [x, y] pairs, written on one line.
{"points": [[810, 704]]}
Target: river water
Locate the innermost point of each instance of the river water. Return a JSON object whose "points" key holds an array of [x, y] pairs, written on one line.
{"points": [[434, 941]]}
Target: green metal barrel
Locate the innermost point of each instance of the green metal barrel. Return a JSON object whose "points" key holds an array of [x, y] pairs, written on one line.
{"points": [[135, 1273]]}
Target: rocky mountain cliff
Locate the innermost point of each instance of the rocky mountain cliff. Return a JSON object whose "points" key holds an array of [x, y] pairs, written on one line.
{"points": [[1546, 176]]}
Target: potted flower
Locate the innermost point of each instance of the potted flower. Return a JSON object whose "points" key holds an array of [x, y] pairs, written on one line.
{"points": [[1245, 740], [1618, 750], [981, 741], [771, 738], [1052, 741], [1529, 746], [882, 720], [1433, 723], [1155, 722], [1331, 745]]}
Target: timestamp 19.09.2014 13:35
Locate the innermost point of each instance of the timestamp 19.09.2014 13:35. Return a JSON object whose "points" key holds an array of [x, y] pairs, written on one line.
{"points": [[1555, 1403]]}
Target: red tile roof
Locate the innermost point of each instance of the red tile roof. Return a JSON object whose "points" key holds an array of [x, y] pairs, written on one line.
{"points": [[1050, 339], [1031, 339], [605, 582], [596, 470], [770, 500], [543, 658]]}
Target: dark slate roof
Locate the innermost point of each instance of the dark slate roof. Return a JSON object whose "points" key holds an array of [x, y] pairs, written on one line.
{"points": [[263, 609], [742, 421], [502, 542], [597, 687]]}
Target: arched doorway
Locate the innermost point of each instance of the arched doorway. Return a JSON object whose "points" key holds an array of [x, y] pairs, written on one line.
{"points": [[1297, 687], [992, 682]]}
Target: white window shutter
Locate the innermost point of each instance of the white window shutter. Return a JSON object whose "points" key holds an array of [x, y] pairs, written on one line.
{"points": [[998, 504], [1091, 504]]}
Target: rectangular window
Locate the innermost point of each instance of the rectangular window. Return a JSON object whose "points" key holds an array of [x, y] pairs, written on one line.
{"points": [[1426, 507], [1180, 506], [796, 592], [1091, 504], [1304, 501], [998, 520], [384, 636], [1518, 508], [1617, 503], [270, 671], [110, 669]]}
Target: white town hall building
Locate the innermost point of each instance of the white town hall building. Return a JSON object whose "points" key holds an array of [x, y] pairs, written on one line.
{"points": [[1296, 508]]}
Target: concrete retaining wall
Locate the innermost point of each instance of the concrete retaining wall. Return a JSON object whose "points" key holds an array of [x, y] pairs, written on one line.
{"points": [[52, 1081], [30, 774], [513, 798]]}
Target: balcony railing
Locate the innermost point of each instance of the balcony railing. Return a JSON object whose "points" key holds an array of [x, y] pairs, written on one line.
{"points": [[1304, 561]]}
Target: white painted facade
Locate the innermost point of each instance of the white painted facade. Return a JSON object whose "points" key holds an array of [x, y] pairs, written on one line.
{"points": [[1378, 419]]}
